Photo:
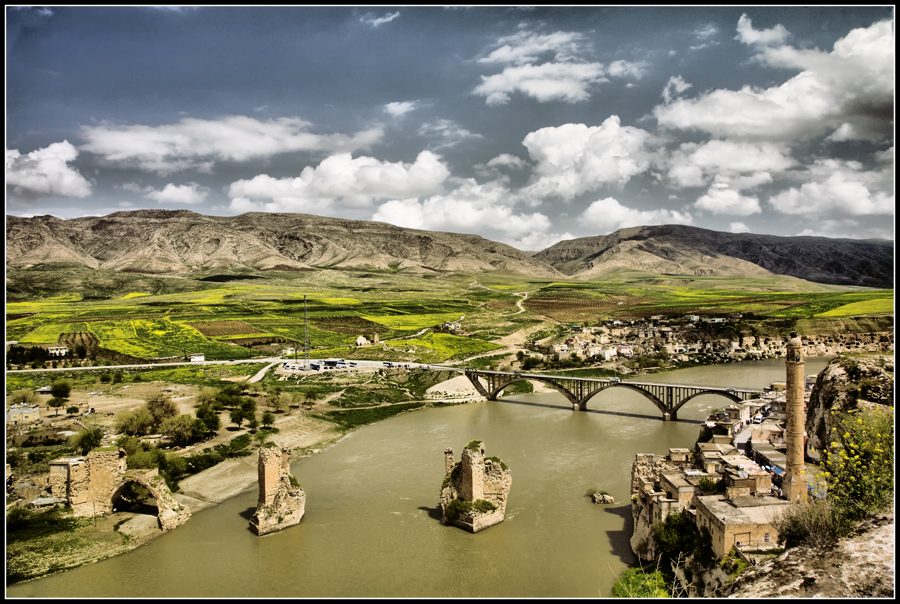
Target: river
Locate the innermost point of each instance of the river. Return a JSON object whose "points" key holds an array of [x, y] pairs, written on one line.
{"points": [[372, 525]]}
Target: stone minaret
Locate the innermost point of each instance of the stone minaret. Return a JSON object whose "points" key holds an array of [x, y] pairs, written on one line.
{"points": [[795, 472]]}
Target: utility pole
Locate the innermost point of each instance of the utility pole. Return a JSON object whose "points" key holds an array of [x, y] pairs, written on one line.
{"points": [[305, 334]]}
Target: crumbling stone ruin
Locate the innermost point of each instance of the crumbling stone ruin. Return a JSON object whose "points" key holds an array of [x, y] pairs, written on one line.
{"points": [[92, 484], [282, 501], [475, 489]]}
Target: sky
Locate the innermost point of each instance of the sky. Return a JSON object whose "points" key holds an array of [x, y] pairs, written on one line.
{"points": [[526, 126]]}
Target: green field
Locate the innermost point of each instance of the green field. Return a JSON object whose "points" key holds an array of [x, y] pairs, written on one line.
{"points": [[157, 316]]}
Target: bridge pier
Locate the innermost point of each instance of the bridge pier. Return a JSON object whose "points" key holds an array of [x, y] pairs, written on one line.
{"points": [[670, 416]]}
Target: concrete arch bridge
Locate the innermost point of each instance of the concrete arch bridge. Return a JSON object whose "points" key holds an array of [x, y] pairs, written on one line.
{"points": [[668, 398]]}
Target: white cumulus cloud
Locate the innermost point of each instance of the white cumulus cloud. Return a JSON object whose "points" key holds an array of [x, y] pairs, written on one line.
{"points": [[341, 181], [723, 199], [839, 187], [849, 90], [674, 87], [608, 215], [197, 144], [399, 108], [746, 34], [548, 67], [472, 208], [179, 194], [45, 172], [575, 158], [743, 164]]}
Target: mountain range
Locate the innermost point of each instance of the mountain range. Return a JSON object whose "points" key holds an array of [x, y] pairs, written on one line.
{"points": [[184, 242]]}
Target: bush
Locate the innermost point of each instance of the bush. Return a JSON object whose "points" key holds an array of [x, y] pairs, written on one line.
{"points": [[815, 522], [638, 583], [708, 485], [859, 464]]}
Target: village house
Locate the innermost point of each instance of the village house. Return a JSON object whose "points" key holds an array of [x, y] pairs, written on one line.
{"points": [[58, 351], [22, 414], [287, 352], [745, 522], [197, 357], [624, 350], [362, 341]]}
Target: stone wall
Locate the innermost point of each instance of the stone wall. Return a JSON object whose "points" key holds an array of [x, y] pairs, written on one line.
{"points": [[282, 501]]}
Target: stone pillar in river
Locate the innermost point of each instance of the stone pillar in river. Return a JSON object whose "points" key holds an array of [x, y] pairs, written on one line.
{"points": [[282, 501], [794, 485], [475, 490]]}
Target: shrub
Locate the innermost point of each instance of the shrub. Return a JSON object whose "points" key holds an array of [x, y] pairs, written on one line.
{"points": [[708, 484], [815, 522], [858, 466], [484, 506], [638, 583]]}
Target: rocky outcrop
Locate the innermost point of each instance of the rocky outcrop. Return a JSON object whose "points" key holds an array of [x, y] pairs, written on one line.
{"points": [[475, 490], [602, 498], [859, 566], [282, 501], [846, 384]]}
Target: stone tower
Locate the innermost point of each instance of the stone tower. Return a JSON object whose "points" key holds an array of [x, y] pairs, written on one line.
{"points": [[794, 486]]}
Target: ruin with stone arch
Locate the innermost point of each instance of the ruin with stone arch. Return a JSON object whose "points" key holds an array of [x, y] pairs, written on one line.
{"points": [[92, 484]]}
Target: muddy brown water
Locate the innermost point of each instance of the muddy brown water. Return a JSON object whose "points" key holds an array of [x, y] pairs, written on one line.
{"points": [[372, 525]]}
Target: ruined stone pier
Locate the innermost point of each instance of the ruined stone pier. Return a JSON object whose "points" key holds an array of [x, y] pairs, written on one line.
{"points": [[282, 501], [475, 489]]}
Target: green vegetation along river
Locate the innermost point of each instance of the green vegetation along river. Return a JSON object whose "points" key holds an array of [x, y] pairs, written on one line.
{"points": [[372, 525]]}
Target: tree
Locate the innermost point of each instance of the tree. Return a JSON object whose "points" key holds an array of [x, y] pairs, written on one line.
{"points": [[237, 417], [25, 396], [117, 377], [161, 408], [56, 403], [209, 417], [61, 388], [86, 440], [206, 396], [178, 428], [72, 410], [310, 397], [138, 422], [268, 419]]}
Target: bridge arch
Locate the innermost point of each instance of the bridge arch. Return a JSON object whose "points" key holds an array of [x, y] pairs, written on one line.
{"points": [[732, 397], [170, 512], [582, 405], [559, 388]]}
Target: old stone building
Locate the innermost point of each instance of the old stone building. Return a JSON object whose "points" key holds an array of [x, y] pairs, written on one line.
{"points": [[475, 489], [282, 501]]}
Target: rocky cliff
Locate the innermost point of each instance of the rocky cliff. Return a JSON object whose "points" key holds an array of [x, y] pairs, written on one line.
{"points": [[846, 384]]}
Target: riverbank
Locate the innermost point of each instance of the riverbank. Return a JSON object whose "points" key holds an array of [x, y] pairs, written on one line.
{"points": [[100, 538]]}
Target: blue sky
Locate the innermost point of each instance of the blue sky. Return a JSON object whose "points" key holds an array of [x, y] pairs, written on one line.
{"points": [[525, 126]]}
